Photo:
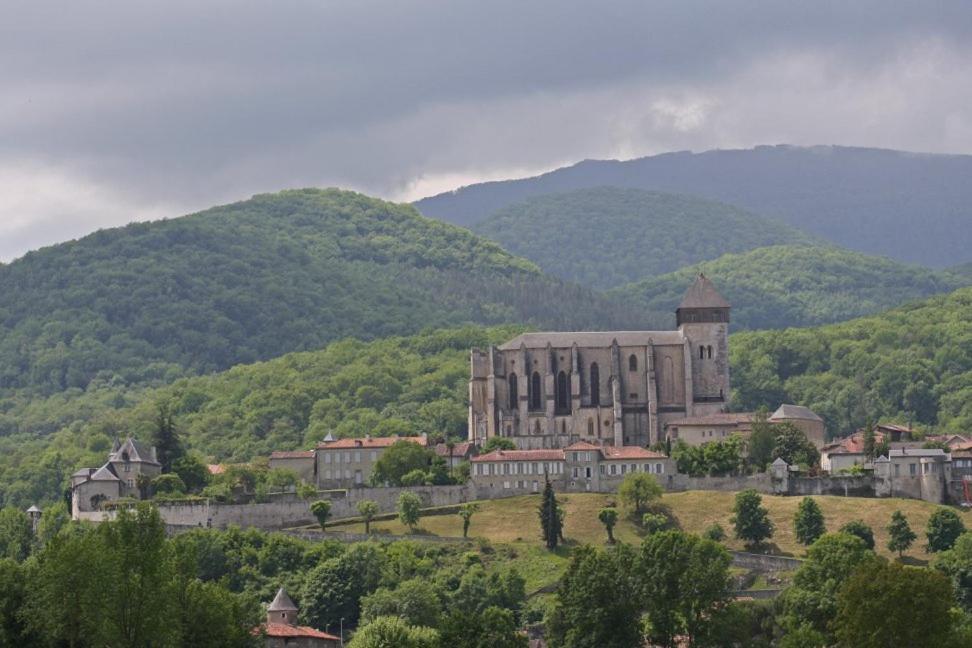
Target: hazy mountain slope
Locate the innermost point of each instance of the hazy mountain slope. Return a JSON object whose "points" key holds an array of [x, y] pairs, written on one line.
{"points": [[963, 270], [607, 236], [911, 207], [911, 363], [256, 279], [794, 285]]}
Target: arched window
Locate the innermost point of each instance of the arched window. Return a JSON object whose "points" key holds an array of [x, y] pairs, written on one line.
{"points": [[668, 381], [595, 385], [710, 351], [590, 427], [632, 363], [563, 392], [701, 353], [535, 394], [514, 392]]}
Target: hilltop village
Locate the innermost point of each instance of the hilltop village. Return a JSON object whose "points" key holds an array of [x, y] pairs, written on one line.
{"points": [[581, 411]]}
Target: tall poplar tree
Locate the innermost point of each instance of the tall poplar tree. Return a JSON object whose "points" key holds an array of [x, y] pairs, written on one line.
{"points": [[550, 520]]}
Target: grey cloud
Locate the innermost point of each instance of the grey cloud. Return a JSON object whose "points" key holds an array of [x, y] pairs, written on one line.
{"points": [[169, 106]]}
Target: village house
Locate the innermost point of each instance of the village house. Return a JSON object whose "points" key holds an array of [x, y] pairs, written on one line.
{"points": [[844, 454], [345, 463], [805, 420], [697, 430], [457, 454], [129, 466], [580, 466], [302, 462], [281, 629]]}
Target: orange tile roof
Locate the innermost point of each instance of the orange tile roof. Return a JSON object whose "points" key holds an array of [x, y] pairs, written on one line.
{"points": [[582, 445], [521, 455], [854, 444], [630, 452], [459, 450], [368, 442], [284, 630], [292, 454], [715, 419]]}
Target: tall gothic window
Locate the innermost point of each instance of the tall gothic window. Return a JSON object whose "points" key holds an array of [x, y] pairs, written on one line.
{"points": [[701, 353], [595, 385], [632, 363], [563, 392], [709, 350], [514, 392], [535, 394]]}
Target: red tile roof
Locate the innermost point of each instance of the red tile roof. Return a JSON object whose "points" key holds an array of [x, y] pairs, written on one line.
{"points": [[292, 454], [715, 419], [521, 455], [284, 630], [368, 442], [459, 450], [630, 452], [854, 444], [582, 445]]}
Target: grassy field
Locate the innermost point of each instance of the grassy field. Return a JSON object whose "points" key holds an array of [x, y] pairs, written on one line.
{"points": [[514, 521]]}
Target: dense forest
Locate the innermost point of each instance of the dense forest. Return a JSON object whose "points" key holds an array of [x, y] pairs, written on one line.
{"points": [[913, 208], [607, 236], [253, 280], [795, 285], [913, 363], [910, 364], [399, 385]]}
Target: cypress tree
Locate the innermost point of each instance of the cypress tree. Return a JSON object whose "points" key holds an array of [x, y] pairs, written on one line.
{"points": [[166, 438], [550, 517]]}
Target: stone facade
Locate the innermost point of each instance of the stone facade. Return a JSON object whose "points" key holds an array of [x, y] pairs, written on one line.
{"points": [[347, 463], [579, 467], [117, 478], [549, 390], [302, 462]]}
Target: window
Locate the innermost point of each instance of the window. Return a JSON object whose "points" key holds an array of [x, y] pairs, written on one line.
{"points": [[614, 469], [506, 469], [595, 385], [563, 392], [912, 469], [535, 394], [587, 472], [357, 456], [327, 457], [701, 353], [624, 469], [347, 473], [327, 473], [709, 351], [506, 484], [601, 469], [646, 468], [575, 472], [590, 427], [659, 468], [514, 392], [632, 363]]}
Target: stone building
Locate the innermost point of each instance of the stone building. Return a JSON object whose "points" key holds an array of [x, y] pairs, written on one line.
{"points": [[580, 466], [805, 420], [345, 463], [281, 629], [697, 430], [549, 390], [119, 477], [302, 462]]}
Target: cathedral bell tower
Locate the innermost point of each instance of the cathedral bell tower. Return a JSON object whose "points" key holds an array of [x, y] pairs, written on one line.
{"points": [[703, 318]]}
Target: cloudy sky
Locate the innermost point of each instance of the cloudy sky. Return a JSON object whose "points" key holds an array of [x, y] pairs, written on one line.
{"points": [[119, 111]]}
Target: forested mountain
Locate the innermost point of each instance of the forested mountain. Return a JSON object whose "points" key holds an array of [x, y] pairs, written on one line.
{"points": [[911, 207], [796, 285], [608, 236], [256, 279], [911, 363], [964, 270], [403, 385]]}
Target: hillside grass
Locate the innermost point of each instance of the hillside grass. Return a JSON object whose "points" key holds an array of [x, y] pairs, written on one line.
{"points": [[514, 520]]}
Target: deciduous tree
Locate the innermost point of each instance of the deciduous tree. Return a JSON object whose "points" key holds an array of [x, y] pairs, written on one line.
{"points": [[608, 517], [367, 509], [944, 528], [900, 535], [638, 489], [808, 522], [409, 509], [751, 519], [466, 512], [321, 510]]}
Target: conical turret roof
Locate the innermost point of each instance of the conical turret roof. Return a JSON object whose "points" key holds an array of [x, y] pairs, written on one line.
{"points": [[282, 603], [703, 294]]}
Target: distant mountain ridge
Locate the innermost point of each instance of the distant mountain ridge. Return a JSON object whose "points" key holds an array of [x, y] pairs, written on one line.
{"points": [[259, 278], [796, 286], [912, 207], [608, 236]]}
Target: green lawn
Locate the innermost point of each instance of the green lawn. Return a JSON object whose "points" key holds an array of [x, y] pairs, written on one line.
{"points": [[514, 521]]}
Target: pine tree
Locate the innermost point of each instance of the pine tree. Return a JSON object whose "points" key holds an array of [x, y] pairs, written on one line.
{"points": [[808, 523], [901, 535], [550, 518], [869, 441]]}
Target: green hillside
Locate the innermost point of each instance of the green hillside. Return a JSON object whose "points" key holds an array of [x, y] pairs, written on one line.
{"points": [[911, 363], [256, 279], [403, 385], [607, 236], [964, 270], [794, 285]]}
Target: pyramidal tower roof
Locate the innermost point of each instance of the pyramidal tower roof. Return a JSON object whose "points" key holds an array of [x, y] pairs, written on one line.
{"points": [[703, 294], [282, 602]]}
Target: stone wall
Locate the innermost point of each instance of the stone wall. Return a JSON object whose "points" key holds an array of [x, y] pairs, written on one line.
{"points": [[764, 563], [841, 485], [762, 482]]}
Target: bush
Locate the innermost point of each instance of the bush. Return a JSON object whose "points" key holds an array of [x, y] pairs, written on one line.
{"points": [[715, 533], [653, 522], [321, 510], [415, 477], [944, 528], [409, 509], [861, 530], [168, 484]]}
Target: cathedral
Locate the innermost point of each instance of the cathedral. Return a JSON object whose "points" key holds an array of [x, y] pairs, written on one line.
{"points": [[549, 390]]}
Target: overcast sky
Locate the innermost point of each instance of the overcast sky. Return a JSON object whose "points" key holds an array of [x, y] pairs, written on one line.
{"points": [[118, 111]]}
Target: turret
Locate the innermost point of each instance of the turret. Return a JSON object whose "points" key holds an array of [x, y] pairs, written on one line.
{"points": [[282, 609]]}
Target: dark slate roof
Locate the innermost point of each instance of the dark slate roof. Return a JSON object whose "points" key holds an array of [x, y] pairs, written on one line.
{"points": [[105, 473], [798, 412], [703, 294], [137, 452], [282, 602], [593, 339]]}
